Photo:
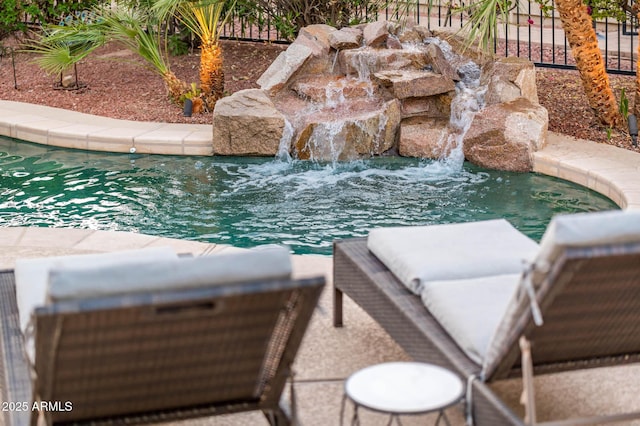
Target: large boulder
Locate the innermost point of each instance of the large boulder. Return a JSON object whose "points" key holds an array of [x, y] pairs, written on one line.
{"points": [[346, 38], [286, 65], [331, 90], [411, 36], [361, 135], [317, 38], [247, 123], [366, 61], [376, 33], [460, 46], [439, 63], [414, 83], [423, 137], [510, 78], [505, 136], [438, 106]]}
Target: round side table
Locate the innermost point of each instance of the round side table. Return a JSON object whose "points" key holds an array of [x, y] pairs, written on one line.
{"points": [[400, 388]]}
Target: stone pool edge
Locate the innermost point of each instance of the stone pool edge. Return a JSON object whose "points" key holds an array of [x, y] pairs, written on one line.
{"points": [[71, 129], [613, 172]]}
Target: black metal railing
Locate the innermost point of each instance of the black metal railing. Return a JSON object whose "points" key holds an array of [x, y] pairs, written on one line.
{"points": [[527, 34]]}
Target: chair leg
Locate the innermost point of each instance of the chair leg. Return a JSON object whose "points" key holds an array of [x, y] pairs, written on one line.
{"points": [[278, 417], [528, 398], [337, 307]]}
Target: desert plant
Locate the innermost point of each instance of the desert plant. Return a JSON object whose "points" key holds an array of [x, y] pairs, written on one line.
{"points": [[60, 47], [194, 94], [138, 30], [482, 26], [623, 105], [11, 17], [204, 18], [176, 45]]}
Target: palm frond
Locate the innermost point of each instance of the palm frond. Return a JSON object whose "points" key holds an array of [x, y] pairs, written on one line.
{"points": [[482, 25], [60, 47], [204, 18], [138, 32]]}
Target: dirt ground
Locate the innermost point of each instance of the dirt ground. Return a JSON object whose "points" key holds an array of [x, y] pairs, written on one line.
{"points": [[118, 85]]}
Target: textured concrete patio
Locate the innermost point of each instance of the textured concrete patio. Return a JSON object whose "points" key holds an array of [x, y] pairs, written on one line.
{"points": [[329, 355]]}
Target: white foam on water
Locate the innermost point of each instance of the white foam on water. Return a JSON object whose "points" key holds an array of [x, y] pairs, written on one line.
{"points": [[300, 176]]}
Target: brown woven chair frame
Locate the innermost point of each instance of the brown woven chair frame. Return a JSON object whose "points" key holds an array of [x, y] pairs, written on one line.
{"points": [[166, 356], [591, 294]]}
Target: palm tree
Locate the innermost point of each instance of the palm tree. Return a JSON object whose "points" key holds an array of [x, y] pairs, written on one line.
{"points": [[577, 24], [204, 18], [63, 46], [138, 31]]}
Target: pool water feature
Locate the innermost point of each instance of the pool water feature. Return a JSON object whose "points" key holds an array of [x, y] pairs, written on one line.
{"points": [[248, 201]]}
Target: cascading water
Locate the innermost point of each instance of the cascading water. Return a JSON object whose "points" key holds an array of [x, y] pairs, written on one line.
{"points": [[334, 106], [364, 64], [468, 100], [327, 141], [352, 112], [285, 142]]}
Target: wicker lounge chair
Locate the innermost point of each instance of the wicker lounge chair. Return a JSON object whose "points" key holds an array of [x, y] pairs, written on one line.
{"points": [[216, 345], [586, 285]]}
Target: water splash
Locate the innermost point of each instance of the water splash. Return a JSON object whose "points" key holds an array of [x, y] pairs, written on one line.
{"points": [[334, 94], [327, 141], [365, 63], [335, 61], [468, 100]]}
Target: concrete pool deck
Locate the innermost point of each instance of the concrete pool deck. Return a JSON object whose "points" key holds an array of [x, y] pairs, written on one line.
{"points": [[329, 355]]}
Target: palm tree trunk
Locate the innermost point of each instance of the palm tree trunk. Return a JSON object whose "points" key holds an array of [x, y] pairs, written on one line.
{"points": [[211, 74], [578, 28], [175, 87]]}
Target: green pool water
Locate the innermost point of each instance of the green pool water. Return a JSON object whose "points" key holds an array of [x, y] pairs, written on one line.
{"points": [[248, 201]]}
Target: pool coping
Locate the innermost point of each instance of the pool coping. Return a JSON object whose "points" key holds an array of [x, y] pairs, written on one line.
{"points": [[613, 172], [71, 129]]}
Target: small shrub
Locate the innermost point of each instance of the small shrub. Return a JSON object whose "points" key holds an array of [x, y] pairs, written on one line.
{"points": [[623, 106], [176, 45], [15, 15], [11, 17]]}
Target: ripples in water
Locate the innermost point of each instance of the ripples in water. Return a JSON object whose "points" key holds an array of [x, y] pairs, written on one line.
{"points": [[245, 202]]}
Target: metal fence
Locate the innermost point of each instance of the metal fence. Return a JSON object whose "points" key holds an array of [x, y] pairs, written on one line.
{"points": [[528, 33]]}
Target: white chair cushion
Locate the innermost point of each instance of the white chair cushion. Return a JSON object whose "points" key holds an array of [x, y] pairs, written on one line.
{"points": [[32, 277], [267, 263], [419, 254], [564, 231], [588, 229], [470, 310]]}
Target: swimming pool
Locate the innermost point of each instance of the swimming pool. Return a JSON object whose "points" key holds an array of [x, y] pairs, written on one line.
{"points": [[251, 201]]}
